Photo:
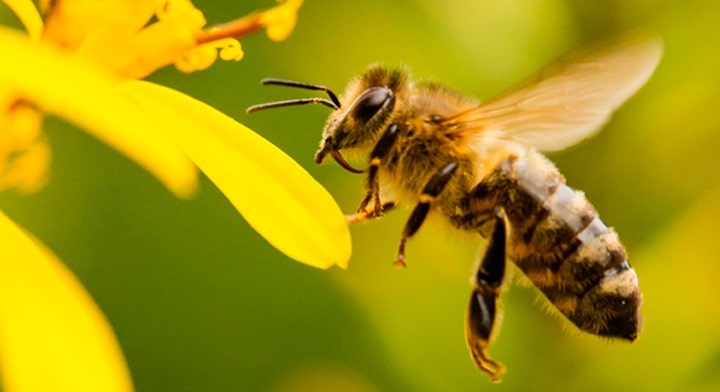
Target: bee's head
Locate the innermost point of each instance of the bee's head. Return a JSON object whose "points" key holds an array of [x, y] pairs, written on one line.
{"points": [[367, 108], [364, 110]]}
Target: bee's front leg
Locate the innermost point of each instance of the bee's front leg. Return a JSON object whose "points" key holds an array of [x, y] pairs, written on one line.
{"points": [[365, 215], [482, 308], [372, 182], [417, 217]]}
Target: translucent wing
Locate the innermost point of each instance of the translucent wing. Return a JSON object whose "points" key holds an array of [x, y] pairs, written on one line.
{"points": [[570, 99]]}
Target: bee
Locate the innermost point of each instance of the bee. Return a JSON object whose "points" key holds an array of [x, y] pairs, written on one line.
{"points": [[480, 166]]}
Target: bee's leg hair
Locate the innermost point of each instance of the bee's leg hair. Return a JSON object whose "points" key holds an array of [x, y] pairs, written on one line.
{"points": [[372, 183], [481, 314], [417, 217]]}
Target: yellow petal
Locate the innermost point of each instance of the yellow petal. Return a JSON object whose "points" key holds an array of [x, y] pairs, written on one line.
{"points": [[28, 15], [53, 337], [89, 98], [73, 24], [141, 52], [277, 197]]}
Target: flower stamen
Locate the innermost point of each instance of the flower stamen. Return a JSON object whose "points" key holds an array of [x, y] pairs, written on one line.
{"points": [[239, 28], [277, 21], [24, 152]]}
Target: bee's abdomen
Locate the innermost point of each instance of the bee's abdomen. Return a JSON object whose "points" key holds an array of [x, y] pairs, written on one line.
{"points": [[562, 246]]}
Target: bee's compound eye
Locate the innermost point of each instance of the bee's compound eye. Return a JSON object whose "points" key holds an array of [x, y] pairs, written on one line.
{"points": [[371, 101]]}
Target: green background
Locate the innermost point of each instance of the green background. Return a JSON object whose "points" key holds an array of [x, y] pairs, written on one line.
{"points": [[202, 303]]}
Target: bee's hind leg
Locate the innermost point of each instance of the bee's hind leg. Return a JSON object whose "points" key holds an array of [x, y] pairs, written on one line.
{"points": [[481, 314], [417, 217]]}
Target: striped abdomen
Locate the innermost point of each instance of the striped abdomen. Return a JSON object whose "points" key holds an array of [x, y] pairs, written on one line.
{"points": [[560, 243]]}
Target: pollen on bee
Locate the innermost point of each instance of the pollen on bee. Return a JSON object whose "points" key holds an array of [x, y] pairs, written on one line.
{"points": [[426, 198], [566, 304], [542, 278]]}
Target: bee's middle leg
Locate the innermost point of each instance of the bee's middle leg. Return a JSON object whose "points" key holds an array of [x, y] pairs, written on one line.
{"points": [[417, 217], [482, 308]]}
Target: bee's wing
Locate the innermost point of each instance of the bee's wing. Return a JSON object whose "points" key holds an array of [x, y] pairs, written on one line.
{"points": [[571, 98]]}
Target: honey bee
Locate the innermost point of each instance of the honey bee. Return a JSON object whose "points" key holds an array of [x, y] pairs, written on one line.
{"points": [[479, 165]]}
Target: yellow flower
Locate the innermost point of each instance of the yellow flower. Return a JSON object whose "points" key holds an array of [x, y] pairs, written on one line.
{"points": [[83, 63]]}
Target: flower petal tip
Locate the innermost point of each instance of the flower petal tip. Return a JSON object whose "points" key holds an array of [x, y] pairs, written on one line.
{"points": [[343, 264], [326, 251]]}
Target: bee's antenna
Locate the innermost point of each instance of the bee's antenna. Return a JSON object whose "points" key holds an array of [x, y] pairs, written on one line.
{"points": [[292, 102], [333, 102], [307, 86]]}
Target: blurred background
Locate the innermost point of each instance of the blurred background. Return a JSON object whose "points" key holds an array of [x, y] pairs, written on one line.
{"points": [[202, 303]]}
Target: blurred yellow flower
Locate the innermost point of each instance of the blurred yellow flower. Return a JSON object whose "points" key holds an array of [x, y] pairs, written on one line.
{"points": [[82, 62], [53, 337]]}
